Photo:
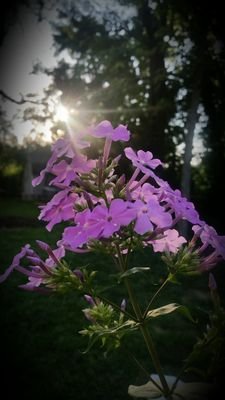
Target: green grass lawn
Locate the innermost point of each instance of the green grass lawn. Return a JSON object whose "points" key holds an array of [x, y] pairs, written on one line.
{"points": [[15, 207], [41, 349]]}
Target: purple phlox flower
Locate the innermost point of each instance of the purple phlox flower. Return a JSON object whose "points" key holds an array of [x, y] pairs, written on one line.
{"points": [[145, 192], [37, 270], [36, 278], [76, 236], [55, 255], [209, 236], [62, 147], [143, 223], [150, 213], [38, 273], [66, 173], [59, 208], [143, 160], [165, 191], [213, 245], [121, 133], [82, 165], [59, 253], [105, 130], [180, 205], [133, 191], [75, 141], [33, 284], [15, 262], [36, 181], [170, 242], [184, 208], [103, 221]]}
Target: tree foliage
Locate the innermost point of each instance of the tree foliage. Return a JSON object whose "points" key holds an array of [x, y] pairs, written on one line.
{"points": [[142, 63]]}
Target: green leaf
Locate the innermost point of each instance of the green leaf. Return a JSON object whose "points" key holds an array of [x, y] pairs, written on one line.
{"points": [[133, 271], [109, 335], [169, 308], [157, 312], [92, 341], [127, 325], [185, 311]]}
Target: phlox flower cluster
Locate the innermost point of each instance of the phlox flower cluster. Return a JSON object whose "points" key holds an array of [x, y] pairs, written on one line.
{"points": [[98, 205]]}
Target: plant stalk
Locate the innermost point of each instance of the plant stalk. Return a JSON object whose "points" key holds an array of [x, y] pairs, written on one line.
{"points": [[144, 330], [148, 339]]}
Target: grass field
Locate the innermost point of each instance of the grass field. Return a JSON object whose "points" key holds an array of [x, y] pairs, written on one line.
{"points": [[41, 349]]}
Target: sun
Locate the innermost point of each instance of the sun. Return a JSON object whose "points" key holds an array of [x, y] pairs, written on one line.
{"points": [[61, 113]]}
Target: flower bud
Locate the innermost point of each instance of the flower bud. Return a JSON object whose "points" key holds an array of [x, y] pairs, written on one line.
{"points": [[123, 305], [89, 299]]}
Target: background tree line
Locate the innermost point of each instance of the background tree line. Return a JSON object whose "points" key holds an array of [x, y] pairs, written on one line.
{"points": [[157, 66]]}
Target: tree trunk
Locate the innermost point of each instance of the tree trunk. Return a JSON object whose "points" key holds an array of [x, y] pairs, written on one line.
{"points": [[160, 101], [192, 119]]}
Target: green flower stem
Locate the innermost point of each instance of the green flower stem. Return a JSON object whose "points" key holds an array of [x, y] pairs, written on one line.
{"points": [[144, 370], [133, 300], [144, 330], [154, 297], [148, 339], [155, 359]]}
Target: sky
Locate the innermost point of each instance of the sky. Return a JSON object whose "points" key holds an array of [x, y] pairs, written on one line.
{"points": [[27, 42]]}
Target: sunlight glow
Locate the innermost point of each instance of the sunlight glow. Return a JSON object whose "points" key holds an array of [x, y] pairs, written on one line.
{"points": [[61, 114]]}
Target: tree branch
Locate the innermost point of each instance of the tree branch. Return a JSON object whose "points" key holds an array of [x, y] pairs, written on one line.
{"points": [[21, 101]]}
